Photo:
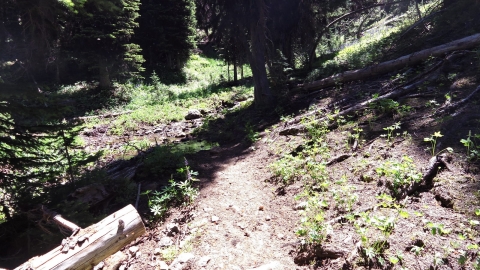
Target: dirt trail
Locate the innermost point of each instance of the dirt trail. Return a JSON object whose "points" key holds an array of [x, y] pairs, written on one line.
{"points": [[255, 226], [237, 222]]}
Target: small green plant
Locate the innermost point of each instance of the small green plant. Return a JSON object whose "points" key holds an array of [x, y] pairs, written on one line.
{"points": [[438, 260], [374, 244], [472, 148], [313, 228], [174, 193], [252, 135], [476, 264], [417, 250], [344, 197], [287, 169], [431, 104], [385, 105], [396, 259], [462, 259], [399, 173], [437, 228], [390, 130], [353, 136], [448, 97], [433, 142]]}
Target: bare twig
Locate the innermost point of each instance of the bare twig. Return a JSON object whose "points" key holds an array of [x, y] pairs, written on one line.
{"points": [[457, 104], [339, 158], [59, 220]]}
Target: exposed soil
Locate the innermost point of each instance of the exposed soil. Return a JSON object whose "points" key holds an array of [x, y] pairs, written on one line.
{"points": [[255, 226], [244, 219]]}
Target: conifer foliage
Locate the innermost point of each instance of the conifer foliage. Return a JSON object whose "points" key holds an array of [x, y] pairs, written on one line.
{"points": [[166, 33], [101, 34], [36, 154]]}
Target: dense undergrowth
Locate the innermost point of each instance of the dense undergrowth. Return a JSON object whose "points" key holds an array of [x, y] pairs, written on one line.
{"points": [[206, 88]]}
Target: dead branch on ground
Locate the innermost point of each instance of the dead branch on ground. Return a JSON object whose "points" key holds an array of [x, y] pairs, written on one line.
{"points": [[392, 65]]}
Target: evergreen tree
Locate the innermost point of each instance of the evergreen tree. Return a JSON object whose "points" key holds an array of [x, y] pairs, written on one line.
{"points": [[100, 38], [35, 154], [29, 31], [166, 33]]}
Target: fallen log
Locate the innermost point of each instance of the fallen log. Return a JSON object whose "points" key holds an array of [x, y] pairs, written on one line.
{"points": [[458, 104], [108, 115], [435, 163], [293, 128], [88, 247], [337, 159], [392, 65]]}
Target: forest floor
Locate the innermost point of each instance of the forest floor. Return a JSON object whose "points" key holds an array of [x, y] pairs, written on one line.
{"points": [[255, 197], [334, 195]]}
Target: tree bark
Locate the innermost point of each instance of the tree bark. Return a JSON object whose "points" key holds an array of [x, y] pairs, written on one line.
{"points": [[104, 80], [389, 66], [262, 93], [235, 73], [90, 246]]}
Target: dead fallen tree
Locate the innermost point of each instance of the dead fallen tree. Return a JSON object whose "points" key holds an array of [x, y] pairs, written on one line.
{"points": [[108, 115], [389, 66], [85, 248], [435, 163], [294, 128], [456, 105]]}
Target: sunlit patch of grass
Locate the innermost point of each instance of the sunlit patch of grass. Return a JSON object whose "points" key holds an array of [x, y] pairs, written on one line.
{"points": [[154, 103], [371, 47]]}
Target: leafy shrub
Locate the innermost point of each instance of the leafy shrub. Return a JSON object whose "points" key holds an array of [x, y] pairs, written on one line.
{"points": [[400, 174], [174, 193], [313, 229]]}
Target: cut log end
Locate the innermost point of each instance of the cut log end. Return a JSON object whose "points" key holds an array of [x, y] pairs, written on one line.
{"points": [[92, 245]]}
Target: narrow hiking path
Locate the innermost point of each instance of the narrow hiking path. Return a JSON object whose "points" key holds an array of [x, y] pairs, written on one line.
{"points": [[255, 226], [238, 220]]}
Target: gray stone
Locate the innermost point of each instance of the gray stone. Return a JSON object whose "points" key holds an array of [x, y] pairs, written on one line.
{"points": [[301, 206], [202, 262], [165, 242], [193, 114], [183, 261], [133, 250], [99, 266], [113, 262], [163, 265]]}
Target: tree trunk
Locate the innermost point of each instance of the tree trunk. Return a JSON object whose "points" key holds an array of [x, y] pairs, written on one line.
{"points": [[262, 93], [228, 71], [104, 79], [389, 66], [90, 246], [235, 73]]}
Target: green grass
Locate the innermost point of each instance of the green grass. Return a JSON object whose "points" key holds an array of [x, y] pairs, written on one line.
{"points": [[370, 48], [154, 103]]}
